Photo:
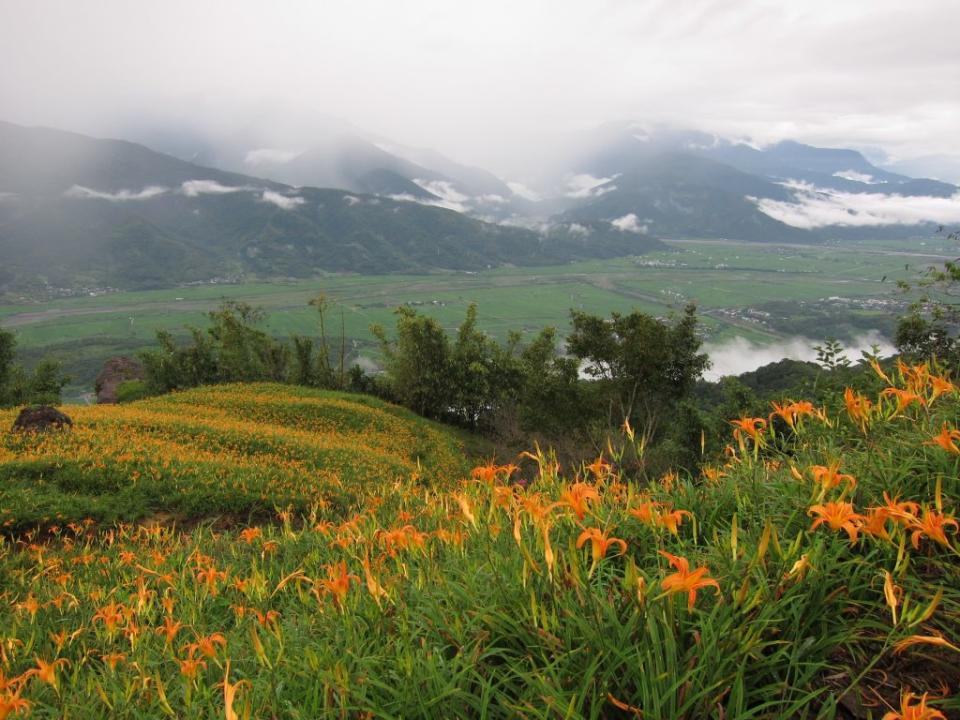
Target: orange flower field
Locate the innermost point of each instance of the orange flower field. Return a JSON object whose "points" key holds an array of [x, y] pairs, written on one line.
{"points": [[264, 551]]}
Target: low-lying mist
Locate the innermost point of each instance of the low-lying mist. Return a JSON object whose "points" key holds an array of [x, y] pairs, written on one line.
{"points": [[739, 355]]}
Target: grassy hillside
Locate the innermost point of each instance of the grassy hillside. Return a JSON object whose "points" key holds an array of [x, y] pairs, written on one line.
{"points": [[241, 452], [812, 571]]}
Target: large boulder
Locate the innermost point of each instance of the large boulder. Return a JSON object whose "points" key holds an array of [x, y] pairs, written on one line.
{"points": [[116, 371], [41, 418]]}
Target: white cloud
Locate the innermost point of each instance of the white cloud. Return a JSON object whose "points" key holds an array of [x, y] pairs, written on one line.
{"points": [[281, 201], [351, 199], [856, 177], [739, 355], [578, 229], [450, 197], [585, 185], [193, 188], [629, 223], [85, 193], [861, 71], [269, 156], [521, 190], [819, 207]]}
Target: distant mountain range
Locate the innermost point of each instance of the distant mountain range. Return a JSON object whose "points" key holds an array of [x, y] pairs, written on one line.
{"points": [[77, 211], [81, 211], [691, 184]]}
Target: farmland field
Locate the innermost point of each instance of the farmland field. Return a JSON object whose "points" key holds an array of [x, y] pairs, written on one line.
{"points": [[828, 290]]}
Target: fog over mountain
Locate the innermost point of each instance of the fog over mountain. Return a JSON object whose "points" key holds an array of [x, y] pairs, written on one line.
{"points": [[500, 84]]}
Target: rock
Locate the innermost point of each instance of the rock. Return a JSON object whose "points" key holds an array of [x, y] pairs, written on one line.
{"points": [[116, 371], [41, 418]]}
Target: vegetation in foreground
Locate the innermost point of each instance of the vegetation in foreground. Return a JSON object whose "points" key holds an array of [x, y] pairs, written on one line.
{"points": [[813, 572]]}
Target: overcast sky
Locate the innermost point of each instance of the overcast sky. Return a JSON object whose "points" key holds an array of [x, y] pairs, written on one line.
{"points": [[492, 82]]}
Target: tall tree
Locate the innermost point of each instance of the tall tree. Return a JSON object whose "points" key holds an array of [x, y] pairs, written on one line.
{"points": [[643, 365], [418, 363]]}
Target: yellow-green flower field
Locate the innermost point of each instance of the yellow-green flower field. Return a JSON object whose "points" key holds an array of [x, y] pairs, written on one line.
{"points": [[364, 570]]}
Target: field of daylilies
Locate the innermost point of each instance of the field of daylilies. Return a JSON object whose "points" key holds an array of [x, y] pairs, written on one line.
{"points": [[241, 451], [364, 571]]}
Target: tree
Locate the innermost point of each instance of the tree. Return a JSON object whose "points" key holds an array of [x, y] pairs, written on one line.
{"points": [[418, 363], [232, 349], [485, 374], [643, 365], [41, 386], [932, 324], [244, 352], [320, 372], [551, 397]]}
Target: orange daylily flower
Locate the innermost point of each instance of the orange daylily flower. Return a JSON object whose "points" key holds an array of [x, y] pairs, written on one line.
{"points": [[937, 640], [30, 604], [111, 615], [910, 711], [47, 671], [830, 476], [934, 526], [401, 539], [750, 427], [13, 704], [250, 534], [905, 398], [940, 386], [189, 667], [669, 479], [113, 659], [875, 523], [600, 543], [685, 580], [266, 618], [646, 511], [577, 497], [793, 411], [338, 581], [839, 516], [485, 473], [713, 474], [503, 496], [946, 439], [672, 519], [600, 468], [858, 407], [903, 511], [207, 646], [211, 577]]}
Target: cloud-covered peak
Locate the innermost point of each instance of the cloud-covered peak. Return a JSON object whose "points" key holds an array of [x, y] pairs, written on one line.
{"points": [[85, 193], [816, 207], [285, 202]]}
